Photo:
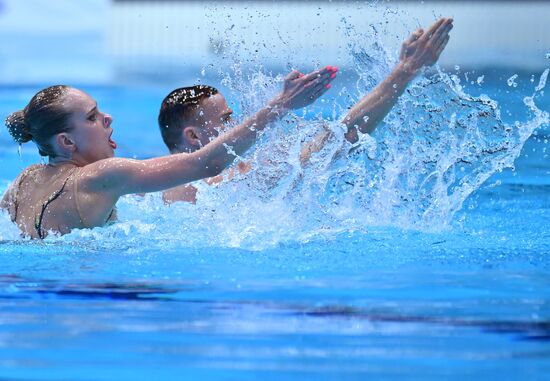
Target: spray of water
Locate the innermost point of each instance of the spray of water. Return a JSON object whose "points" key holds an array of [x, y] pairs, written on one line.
{"points": [[437, 146]]}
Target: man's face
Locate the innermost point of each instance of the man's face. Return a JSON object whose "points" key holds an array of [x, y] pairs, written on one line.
{"points": [[213, 117]]}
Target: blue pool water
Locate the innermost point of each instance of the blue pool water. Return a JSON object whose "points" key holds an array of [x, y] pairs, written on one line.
{"points": [[410, 278]]}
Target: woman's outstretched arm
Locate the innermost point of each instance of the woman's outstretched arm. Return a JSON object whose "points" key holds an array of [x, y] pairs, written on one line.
{"points": [[124, 176]]}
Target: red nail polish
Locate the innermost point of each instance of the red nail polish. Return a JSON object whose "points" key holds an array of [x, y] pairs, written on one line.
{"points": [[333, 75], [327, 85]]}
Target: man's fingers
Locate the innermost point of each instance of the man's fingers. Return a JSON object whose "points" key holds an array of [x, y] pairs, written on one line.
{"points": [[413, 37], [417, 34], [441, 34], [441, 47], [434, 27], [408, 42], [445, 27]]}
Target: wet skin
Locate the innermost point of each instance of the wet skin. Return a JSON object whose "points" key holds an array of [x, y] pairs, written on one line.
{"points": [[87, 180]]}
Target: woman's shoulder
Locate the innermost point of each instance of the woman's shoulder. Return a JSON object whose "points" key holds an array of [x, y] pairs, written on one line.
{"points": [[9, 197], [30, 169], [24, 174]]}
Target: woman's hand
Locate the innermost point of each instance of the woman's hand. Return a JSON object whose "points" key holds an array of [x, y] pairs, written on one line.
{"points": [[301, 90], [423, 48]]}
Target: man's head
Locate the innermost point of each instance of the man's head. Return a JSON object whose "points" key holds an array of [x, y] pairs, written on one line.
{"points": [[190, 117]]}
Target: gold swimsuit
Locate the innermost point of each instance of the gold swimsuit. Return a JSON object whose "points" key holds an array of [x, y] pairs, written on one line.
{"points": [[40, 216]]}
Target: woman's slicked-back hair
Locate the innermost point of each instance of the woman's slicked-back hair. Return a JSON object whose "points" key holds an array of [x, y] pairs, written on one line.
{"points": [[44, 117], [178, 107]]}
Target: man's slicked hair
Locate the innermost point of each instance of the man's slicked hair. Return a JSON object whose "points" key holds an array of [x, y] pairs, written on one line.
{"points": [[176, 108]]}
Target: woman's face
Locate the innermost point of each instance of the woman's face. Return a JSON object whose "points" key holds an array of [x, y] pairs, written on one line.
{"points": [[91, 129]]}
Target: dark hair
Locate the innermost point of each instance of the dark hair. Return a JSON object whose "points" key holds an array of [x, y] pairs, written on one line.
{"points": [[44, 117], [177, 107]]}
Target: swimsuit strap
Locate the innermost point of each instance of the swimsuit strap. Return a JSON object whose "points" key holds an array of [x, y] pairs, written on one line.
{"points": [[53, 196], [112, 216], [75, 192]]}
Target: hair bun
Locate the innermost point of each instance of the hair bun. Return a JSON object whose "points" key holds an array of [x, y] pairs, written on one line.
{"points": [[18, 127]]}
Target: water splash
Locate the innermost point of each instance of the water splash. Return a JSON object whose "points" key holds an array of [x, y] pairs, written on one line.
{"points": [[8, 230], [542, 81], [436, 148], [512, 81]]}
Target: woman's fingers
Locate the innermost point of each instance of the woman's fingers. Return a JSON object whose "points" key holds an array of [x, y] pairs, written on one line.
{"points": [[320, 87], [293, 75], [314, 75], [321, 81], [321, 91], [327, 70], [307, 88], [317, 87]]}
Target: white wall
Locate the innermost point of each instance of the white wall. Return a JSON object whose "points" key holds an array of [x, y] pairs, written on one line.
{"points": [[167, 36], [101, 41]]}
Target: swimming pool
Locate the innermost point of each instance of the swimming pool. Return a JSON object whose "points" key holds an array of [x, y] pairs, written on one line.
{"points": [[279, 284]]}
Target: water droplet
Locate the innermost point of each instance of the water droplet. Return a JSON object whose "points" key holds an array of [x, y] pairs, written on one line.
{"points": [[480, 79], [542, 81], [512, 81]]}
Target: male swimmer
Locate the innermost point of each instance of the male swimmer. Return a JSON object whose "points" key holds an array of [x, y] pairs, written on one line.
{"points": [[189, 117]]}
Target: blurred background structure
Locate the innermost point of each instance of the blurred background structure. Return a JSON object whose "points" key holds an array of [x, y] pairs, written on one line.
{"points": [[113, 41]]}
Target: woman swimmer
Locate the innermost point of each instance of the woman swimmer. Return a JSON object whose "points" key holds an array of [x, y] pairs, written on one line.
{"points": [[82, 181]]}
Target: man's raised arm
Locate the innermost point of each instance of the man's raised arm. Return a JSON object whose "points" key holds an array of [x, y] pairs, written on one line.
{"points": [[422, 48]]}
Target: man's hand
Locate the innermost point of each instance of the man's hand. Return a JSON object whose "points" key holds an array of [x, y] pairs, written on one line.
{"points": [[423, 48], [419, 50]]}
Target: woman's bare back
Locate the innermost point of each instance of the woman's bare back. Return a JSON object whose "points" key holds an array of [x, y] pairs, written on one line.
{"points": [[46, 198]]}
